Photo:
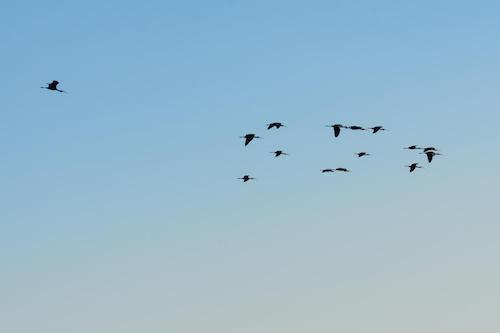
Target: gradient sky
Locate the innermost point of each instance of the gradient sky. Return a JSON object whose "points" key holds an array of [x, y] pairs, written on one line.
{"points": [[120, 205]]}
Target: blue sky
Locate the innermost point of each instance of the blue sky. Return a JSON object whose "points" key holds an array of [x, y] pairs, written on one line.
{"points": [[120, 205]]}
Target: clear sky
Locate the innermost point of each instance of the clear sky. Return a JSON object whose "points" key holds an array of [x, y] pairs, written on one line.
{"points": [[121, 210]]}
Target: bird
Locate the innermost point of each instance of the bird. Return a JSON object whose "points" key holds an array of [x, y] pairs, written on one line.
{"points": [[249, 137], [342, 169], [355, 128], [277, 125], [246, 178], [412, 147], [53, 86], [429, 149], [413, 166], [377, 128], [327, 170], [430, 154], [278, 153], [336, 129], [362, 154]]}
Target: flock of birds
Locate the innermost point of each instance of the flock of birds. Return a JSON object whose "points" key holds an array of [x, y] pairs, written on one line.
{"points": [[429, 151]]}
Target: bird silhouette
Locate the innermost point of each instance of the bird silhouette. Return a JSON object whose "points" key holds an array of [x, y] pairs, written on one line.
{"points": [[377, 128], [413, 166], [430, 154], [249, 137], [278, 153], [362, 154], [429, 149], [246, 178], [342, 169], [277, 125], [356, 128], [327, 170], [53, 86], [412, 147], [336, 129]]}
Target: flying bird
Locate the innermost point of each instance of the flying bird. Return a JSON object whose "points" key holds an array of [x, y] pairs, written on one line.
{"points": [[413, 166], [53, 86], [430, 154], [429, 149], [342, 169], [277, 125], [249, 137], [278, 153], [362, 154], [356, 128], [246, 178], [336, 129], [412, 147], [377, 128], [327, 170]]}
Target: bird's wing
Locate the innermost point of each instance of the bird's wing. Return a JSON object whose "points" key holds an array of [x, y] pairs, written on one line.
{"points": [[337, 131], [429, 156], [247, 140]]}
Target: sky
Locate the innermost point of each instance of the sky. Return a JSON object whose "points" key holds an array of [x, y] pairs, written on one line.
{"points": [[120, 207]]}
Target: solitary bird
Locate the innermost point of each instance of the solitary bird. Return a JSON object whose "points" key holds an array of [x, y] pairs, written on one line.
{"points": [[412, 147], [327, 170], [336, 129], [246, 178], [377, 128], [362, 154], [342, 169], [413, 166], [277, 125], [356, 128], [430, 154], [53, 86], [278, 153], [249, 137]]}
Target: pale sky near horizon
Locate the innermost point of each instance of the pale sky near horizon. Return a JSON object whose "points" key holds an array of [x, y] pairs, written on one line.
{"points": [[121, 210]]}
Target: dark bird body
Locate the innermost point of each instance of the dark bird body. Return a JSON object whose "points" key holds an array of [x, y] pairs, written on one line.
{"points": [[336, 129], [377, 128], [362, 154], [356, 128], [413, 147], [249, 137], [429, 149], [278, 153], [246, 178], [413, 166], [53, 86], [327, 170], [342, 169], [430, 154], [277, 125]]}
